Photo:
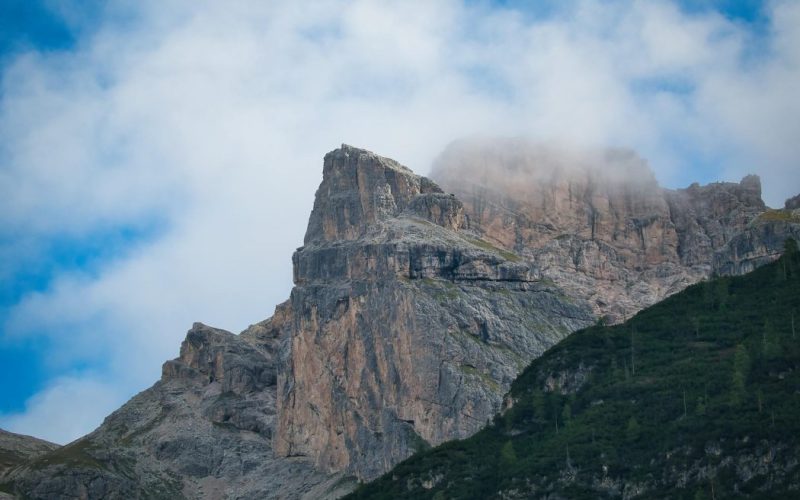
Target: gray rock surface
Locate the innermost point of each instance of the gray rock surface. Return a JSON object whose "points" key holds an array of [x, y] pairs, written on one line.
{"points": [[205, 430], [406, 328], [17, 448], [598, 224]]}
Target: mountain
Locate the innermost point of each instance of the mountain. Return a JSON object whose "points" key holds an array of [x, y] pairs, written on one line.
{"points": [[597, 223], [16, 449], [203, 431], [695, 397], [406, 328], [412, 314]]}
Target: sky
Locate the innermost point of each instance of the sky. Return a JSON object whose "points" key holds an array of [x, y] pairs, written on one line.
{"points": [[158, 158]]}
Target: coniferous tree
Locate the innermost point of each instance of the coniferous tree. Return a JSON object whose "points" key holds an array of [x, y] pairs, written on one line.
{"points": [[721, 293], [633, 430], [771, 347], [700, 409], [508, 454], [790, 252], [741, 370], [566, 414], [537, 398]]}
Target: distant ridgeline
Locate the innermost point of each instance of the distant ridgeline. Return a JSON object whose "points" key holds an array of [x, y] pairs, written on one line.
{"points": [[695, 397]]}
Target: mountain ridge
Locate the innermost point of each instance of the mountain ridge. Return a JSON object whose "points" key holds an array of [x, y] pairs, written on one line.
{"points": [[598, 223], [410, 317]]}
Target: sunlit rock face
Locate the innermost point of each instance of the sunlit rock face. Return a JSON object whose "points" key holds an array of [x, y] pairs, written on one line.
{"points": [[597, 223]]}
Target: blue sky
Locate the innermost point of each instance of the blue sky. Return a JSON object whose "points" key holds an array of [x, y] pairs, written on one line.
{"points": [[32, 25], [40, 26], [158, 159], [26, 26]]}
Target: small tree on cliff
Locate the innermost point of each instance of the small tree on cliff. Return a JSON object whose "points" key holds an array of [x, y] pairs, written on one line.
{"points": [[633, 430], [790, 252]]}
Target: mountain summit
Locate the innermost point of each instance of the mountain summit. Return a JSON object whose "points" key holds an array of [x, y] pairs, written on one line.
{"points": [[412, 313], [406, 328], [597, 223]]}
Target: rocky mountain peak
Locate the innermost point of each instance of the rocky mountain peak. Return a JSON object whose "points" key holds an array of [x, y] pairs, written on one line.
{"points": [[360, 189], [752, 183], [597, 223], [406, 327], [211, 355], [792, 203], [413, 310], [724, 198]]}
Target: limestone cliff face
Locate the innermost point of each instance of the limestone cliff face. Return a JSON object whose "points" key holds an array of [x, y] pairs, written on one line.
{"points": [[598, 224], [406, 329]]}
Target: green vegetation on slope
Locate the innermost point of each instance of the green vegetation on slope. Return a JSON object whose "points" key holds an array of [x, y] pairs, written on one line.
{"points": [[772, 215], [695, 397]]}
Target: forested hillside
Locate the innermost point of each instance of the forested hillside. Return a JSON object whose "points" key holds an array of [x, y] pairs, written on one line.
{"points": [[695, 397]]}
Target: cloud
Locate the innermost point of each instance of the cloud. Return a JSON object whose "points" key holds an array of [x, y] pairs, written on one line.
{"points": [[209, 120], [69, 407]]}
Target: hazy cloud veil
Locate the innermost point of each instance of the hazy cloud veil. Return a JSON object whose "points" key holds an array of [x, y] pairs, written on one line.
{"points": [[207, 121]]}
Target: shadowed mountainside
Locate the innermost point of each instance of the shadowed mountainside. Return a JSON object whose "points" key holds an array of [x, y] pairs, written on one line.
{"points": [[696, 397]]}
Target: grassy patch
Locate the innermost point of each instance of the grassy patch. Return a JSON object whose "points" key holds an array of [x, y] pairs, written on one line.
{"points": [[484, 377], [442, 290], [778, 216], [75, 454], [226, 425], [510, 256], [468, 336], [128, 439], [8, 457]]}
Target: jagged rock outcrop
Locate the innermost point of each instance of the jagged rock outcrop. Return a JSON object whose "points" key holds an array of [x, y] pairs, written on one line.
{"points": [[406, 329], [598, 224], [205, 430]]}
